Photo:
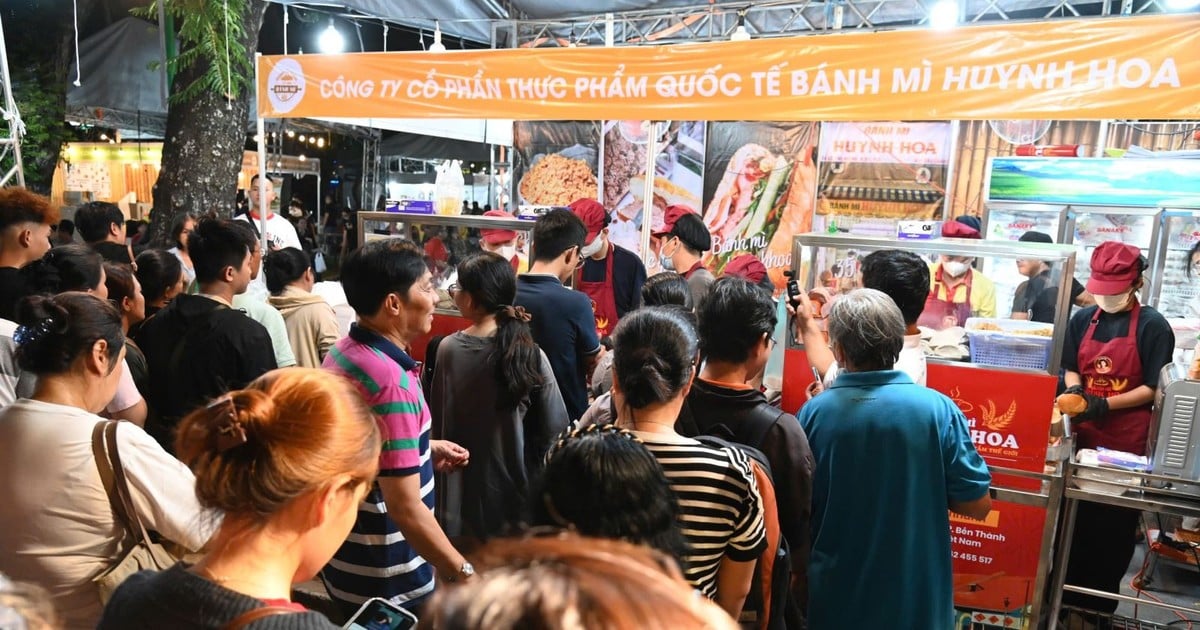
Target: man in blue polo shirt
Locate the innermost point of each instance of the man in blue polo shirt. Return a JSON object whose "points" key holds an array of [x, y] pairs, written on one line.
{"points": [[611, 276], [892, 458], [563, 323]]}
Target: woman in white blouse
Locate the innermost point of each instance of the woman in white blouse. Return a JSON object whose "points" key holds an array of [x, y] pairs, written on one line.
{"points": [[57, 529]]}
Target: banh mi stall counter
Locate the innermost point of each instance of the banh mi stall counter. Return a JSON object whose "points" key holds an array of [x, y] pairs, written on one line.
{"points": [[447, 240], [1003, 375]]}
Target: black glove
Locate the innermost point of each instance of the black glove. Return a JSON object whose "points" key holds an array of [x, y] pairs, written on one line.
{"points": [[1097, 407], [1075, 389]]}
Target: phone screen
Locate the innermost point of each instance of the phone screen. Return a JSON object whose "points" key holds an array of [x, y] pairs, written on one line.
{"points": [[380, 614]]}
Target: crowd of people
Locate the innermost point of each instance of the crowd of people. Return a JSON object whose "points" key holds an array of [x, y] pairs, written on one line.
{"points": [[597, 456]]}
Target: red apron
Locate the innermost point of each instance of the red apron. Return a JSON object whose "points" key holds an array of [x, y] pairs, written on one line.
{"points": [[1110, 368], [604, 301], [937, 311]]}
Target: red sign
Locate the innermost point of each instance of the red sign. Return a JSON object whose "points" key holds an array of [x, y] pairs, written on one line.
{"points": [[996, 560]]}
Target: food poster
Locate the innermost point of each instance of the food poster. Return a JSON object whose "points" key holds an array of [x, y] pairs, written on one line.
{"points": [[1009, 225], [882, 170], [678, 176], [556, 163], [995, 565], [1092, 229], [1178, 296], [759, 187]]}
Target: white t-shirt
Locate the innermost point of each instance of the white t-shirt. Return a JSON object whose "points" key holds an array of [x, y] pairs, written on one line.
{"points": [[911, 361], [126, 396], [265, 314], [280, 234], [57, 528]]}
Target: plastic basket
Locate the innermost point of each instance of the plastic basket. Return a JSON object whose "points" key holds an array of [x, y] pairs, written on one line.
{"points": [[1014, 346]]}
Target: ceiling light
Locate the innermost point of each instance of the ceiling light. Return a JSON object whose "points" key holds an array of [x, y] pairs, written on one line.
{"points": [[301, 137], [437, 45], [943, 15], [291, 134], [1182, 5], [740, 34], [302, 158], [320, 143], [331, 40]]}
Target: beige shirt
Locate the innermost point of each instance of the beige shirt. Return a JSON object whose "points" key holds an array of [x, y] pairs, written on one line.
{"points": [[56, 525]]}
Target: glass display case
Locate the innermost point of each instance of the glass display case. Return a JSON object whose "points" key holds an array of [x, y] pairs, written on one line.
{"points": [[1175, 289], [832, 261], [1088, 226], [1007, 222], [447, 240]]}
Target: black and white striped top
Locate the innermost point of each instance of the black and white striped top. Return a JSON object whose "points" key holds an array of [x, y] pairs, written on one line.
{"points": [[721, 512]]}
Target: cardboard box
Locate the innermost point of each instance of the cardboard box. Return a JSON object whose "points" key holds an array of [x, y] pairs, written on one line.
{"points": [[918, 230]]}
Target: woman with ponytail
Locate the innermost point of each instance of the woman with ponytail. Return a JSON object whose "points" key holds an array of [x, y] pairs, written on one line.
{"points": [[494, 393], [287, 460]]}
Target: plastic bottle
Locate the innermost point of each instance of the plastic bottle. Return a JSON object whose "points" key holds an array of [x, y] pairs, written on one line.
{"points": [[449, 188]]}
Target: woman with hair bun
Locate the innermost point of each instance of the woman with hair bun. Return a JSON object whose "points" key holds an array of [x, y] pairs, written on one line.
{"points": [[655, 351], [494, 393], [57, 527], [287, 460], [569, 581]]}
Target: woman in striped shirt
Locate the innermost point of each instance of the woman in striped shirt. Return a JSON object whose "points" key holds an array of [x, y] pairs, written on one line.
{"points": [[721, 513]]}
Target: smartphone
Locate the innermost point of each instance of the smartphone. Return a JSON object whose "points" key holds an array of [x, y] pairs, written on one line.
{"points": [[380, 614], [793, 290]]}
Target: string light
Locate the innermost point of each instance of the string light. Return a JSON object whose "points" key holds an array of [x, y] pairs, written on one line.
{"points": [[301, 137]]}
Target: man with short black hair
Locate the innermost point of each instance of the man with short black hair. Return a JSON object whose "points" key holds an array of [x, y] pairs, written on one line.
{"points": [[902, 276], [64, 234], [611, 276], [396, 542], [102, 226], [564, 323], [25, 220], [199, 346], [736, 322], [682, 241], [263, 312], [1036, 299], [280, 233]]}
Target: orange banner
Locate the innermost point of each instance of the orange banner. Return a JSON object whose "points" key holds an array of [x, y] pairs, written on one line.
{"points": [[1144, 67]]}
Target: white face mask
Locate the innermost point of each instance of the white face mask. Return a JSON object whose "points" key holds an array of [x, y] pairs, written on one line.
{"points": [[593, 248], [955, 268], [1113, 303], [507, 251]]}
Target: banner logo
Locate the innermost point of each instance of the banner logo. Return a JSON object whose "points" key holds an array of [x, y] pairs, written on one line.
{"points": [[285, 85], [989, 428]]}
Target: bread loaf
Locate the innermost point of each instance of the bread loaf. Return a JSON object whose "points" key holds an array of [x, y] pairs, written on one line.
{"points": [[1072, 404]]}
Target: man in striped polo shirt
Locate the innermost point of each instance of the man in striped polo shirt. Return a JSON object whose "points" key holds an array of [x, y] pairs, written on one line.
{"points": [[396, 544]]}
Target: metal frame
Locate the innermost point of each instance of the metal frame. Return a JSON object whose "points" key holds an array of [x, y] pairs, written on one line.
{"points": [[1019, 206], [1148, 493], [1167, 211], [784, 18], [369, 175], [16, 128]]}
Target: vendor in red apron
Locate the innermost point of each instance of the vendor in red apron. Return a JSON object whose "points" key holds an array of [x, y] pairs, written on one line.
{"points": [[956, 290], [611, 276], [1112, 357], [680, 244], [503, 242]]}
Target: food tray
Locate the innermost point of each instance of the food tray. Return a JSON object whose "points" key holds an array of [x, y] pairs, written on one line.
{"points": [[1015, 345]]}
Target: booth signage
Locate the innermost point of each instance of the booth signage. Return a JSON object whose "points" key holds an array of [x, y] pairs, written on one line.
{"points": [[1143, 67]]}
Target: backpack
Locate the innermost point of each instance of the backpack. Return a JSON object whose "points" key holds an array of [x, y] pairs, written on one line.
{"points": [[430, 364], [770, 604]]}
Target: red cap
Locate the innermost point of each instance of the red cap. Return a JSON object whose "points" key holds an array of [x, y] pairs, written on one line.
{"points": [[593, 215], [494, 237], [670, 216], [746, 266], [956, 229], [1115, 266]]}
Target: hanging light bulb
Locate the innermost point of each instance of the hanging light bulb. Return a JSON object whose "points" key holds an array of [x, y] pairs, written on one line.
{"points": [[331, 40], [301, 137], [943, 15], [437, 45], [291, 134], [320, 143], [302, 157], [740, 34]]}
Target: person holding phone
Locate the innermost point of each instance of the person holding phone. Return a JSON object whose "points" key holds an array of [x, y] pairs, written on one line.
{"points": [[287, 460]]}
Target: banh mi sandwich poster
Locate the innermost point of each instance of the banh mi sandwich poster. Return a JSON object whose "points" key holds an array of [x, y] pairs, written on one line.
{"points": [[678, 176], [882, 170], [759, 189], [556, 163]]}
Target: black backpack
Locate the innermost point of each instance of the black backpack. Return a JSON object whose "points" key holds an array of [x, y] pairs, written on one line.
{"points": [[430, 364]]}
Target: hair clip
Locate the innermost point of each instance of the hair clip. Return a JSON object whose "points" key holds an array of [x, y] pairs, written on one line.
{"points": [[515, 312], [33, 332], [231, 433]]}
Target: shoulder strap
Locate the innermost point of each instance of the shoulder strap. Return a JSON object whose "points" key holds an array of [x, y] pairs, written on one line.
{"points": [[133, 522], [762, 419], [430, 364], [250, 616]]}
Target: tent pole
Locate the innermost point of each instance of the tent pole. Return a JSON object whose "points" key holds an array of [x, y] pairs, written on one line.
{"points": [[260, 126]]}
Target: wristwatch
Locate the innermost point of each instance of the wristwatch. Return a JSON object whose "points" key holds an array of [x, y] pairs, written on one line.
{"points": [[466, 571]]}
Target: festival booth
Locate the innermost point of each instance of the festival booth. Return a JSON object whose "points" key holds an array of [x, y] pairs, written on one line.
{"points": [[742, 147]]}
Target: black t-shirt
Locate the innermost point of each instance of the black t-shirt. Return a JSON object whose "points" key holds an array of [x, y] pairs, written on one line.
{"points": [[629, 274], [12, 289], [1155, 339], [113, 252], [1037, 297], [564, 326]]}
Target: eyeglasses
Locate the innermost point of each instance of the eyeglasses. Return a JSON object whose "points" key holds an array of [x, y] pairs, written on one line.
{"points": [[453, 289]]}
